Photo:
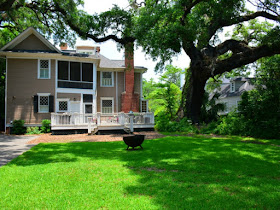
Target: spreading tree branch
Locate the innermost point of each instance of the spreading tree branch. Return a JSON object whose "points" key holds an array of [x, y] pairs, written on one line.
{"points": [[248, 56], [86, 34], [233, 45], [217, 24]]}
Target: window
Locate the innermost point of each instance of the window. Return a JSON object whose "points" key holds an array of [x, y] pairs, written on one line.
{"points": [[232, 87], [144, 106], [238, 103], [107, 79], [87, 98], [226, 107], [43, 103], [107, 106], [44, 69], [62, 105]]}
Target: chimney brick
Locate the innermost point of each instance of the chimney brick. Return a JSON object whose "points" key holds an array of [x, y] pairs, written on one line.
{"points": [[63, 46]]}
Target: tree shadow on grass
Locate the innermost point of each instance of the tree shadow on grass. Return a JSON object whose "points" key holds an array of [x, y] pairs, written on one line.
{"points": [[183, 172]]}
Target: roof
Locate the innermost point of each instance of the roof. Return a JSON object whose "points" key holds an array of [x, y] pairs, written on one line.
{"points": [[104, 62], [107, 63], [246, 86], [26, 34]]}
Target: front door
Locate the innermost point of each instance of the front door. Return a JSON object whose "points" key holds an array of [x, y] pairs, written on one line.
{"points": [[88, 110]]}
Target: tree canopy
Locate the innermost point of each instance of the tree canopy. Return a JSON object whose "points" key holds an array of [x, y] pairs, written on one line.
{"points": [[44, 15], [164, 28]]}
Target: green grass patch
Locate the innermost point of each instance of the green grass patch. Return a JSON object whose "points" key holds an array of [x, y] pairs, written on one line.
{"points": [[171, 173]]}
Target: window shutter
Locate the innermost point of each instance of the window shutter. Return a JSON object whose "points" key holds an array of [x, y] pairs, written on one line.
{"points": [[51, 103], [35, 103]]}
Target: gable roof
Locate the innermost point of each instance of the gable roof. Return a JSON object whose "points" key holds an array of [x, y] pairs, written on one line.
{"points": [[21, 37], [246, 86]]}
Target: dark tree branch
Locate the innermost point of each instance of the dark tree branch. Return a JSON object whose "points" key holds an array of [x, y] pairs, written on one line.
{"points": [[6, 5], [217, 24], [187, 10], [83, 33], [243, 58], [233, 45]]}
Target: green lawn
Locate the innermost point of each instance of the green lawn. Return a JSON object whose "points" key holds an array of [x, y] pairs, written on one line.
{"points": [[170, 173]]}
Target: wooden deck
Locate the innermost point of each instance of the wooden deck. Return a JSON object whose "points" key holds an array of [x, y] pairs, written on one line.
{"points": [[116, 121]]}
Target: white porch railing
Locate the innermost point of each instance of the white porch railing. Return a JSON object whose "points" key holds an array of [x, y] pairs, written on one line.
{"points": [[70, 118], [60, 119]]}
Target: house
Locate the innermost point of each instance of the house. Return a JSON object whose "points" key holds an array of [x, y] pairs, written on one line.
{"points": [[230, 93], [77, 89]]}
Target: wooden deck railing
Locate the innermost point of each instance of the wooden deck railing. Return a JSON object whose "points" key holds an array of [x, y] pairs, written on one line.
{"points": [[60, 119]]}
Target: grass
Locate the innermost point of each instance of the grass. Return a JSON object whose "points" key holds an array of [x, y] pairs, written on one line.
{"points": [[171, 173]]}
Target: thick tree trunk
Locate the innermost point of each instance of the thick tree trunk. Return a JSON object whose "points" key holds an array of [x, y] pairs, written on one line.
{"points": [[193, 92]]}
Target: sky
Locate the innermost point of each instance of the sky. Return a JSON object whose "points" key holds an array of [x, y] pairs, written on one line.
{"points": [[109, 48]]}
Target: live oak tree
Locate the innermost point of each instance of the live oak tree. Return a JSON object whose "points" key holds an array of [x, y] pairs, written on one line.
{"points": [[166, 27]]}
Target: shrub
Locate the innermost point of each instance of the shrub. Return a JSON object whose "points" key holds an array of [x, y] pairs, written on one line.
{"points": [[18, 127], [163, 123], [232, 124], [209, 128], [46, 126], [33, 130]]}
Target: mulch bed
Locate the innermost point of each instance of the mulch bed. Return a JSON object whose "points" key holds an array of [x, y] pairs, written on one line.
{"points": [[48, 138]]}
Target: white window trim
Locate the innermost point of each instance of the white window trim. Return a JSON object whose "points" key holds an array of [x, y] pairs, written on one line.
{"points": [[62, 99], [106, 98], [101, 77], [38, 74], [39, 95]]}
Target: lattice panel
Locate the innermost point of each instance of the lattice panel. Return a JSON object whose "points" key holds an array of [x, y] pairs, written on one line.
{"points": [[144, 106], [44, 64], [63, 106], [107, 103], [44, 100]]}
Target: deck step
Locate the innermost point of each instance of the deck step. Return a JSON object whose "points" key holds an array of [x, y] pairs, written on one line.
{"points": [[93, 131]]}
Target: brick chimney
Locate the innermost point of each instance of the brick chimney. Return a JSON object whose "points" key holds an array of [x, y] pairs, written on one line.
{"points": [[130, 100], [63, 46]]}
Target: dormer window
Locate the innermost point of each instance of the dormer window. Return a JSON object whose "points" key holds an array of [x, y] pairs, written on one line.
{"points": [[232, 87]]}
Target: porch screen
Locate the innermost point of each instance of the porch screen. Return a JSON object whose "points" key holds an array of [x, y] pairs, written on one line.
{"points": [[63, 70], [107, 106], [75, 71], [87, 72]]}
